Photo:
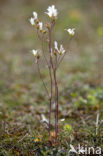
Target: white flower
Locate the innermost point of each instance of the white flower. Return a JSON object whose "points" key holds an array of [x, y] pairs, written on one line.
{"points": [[32, 21], [34, 52], [62, 120], [52, 11], [44, 119], [56, 45], [35, 15], [71, 32], [40, 25], [62, 50]]}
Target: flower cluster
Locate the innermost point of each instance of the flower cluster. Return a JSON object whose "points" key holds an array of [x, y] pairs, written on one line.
{"points": [[52, 13], [35, 21], [34, 18]]}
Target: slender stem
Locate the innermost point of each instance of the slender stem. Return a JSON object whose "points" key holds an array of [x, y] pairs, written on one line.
{"points": [[38, 35], [44, 52], [42, 80], [56, 61], [56, 105], [50, 100], [50, 74], [56, 85], [41, 39], [59, 57], [51, 82], [59, 61]]}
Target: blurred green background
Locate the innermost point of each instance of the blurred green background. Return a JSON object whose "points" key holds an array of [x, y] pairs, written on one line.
{"points": [[80, 76], [18, 75]]}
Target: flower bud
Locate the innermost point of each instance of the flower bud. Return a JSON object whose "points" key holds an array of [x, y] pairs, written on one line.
{"points": [[38, 56], [55, 52], [44, 31], [53, 19], [48, 26], [60, 52], [37, 21], [37, 27], [51, 55]]}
